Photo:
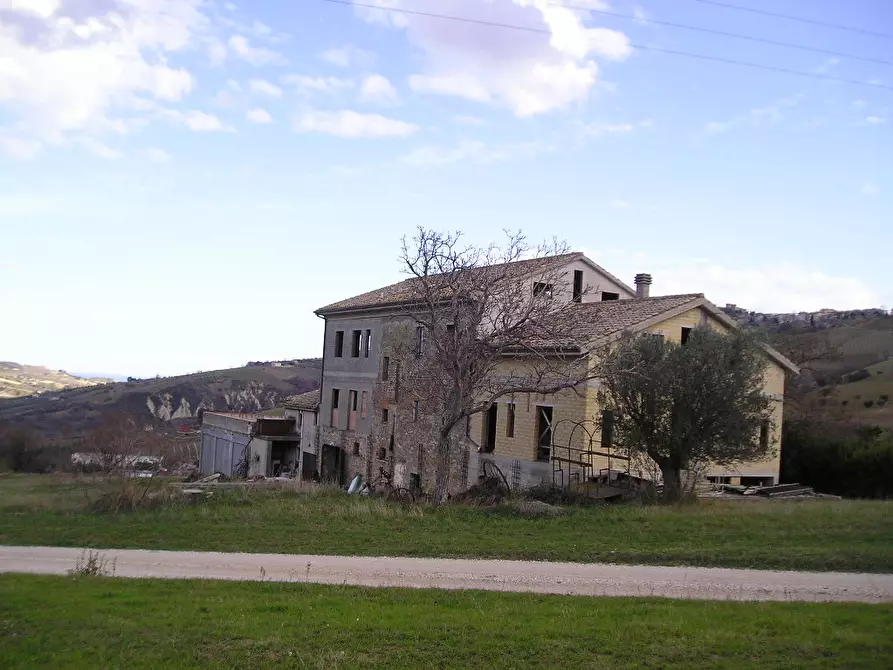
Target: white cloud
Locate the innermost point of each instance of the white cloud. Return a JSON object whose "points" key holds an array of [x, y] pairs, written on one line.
{"points": [[349, 124], [157, 156], [97, 148], [74, 70], [874, 120], [778, 287], [200, 122], [265, 87], [619, 204], [434, 156], [870, 188], [378, 89], [307, 84], [465, 120], [259, 115], [257, 56], [859, 104], [19, 148], [599, 129], [347, 56], [766, 116], [531, 73], [41, 8], [260, 28], [216, 51]]}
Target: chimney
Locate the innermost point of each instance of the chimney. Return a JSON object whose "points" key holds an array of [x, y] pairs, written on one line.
{"points": [[643, 285]]}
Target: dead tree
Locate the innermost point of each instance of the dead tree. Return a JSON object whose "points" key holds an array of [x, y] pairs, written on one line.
{"points": [[483, 326]]}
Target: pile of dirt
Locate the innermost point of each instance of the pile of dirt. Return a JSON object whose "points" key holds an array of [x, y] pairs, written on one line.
{"points": [[534, 509]]}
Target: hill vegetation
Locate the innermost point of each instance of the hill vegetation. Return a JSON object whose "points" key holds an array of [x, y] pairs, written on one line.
{"points": [[164, 402]]}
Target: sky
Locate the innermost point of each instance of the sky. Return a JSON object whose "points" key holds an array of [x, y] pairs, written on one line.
{"points": [[182, 182]]}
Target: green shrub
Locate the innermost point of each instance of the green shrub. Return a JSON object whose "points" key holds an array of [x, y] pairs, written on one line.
{"points": [[857, 466]]}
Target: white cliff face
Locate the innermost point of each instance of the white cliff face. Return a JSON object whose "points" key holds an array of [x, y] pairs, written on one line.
{"points": [[167, 406]]}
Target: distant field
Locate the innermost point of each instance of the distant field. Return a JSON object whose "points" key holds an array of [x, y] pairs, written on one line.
{"points": [[61, 622], [849, 399], [808, 535]]}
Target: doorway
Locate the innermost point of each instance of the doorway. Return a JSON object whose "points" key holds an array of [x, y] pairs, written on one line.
{"points": [[544, 433], [333, 462]]}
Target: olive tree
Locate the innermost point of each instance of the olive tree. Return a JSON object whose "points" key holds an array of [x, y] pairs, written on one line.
{"points": [[683, 405]]}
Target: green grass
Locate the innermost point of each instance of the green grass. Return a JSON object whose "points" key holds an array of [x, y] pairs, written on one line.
{"points": [[810, 535], [64, 622]]}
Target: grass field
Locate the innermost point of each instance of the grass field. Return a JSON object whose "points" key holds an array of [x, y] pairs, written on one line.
{"points": [[808, 535], [64, 622]]}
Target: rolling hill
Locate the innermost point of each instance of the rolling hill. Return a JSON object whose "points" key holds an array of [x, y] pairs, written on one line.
{"points": [[165, 402], [17, 381]]}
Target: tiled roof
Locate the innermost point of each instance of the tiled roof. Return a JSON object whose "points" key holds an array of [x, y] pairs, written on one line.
{"points": [[405, 291], [304, 401], [590, 321]]}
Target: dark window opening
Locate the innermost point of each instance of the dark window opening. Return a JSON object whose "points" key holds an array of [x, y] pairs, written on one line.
{"points": [[415, 482], [490, 429], [352, 410], [686, 332], [336, 399], [510, 420], [356, 448], [764, 435], [415, 410], [541, 288], [419, 341], [382, 453], [355, 344], [578, 286], [657, 336], [385, 368], [384, 414], [367, 344], [607, 295], [339, 343], [544, 433]]}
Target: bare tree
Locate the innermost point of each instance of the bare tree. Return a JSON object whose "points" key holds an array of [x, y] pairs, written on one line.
{"points": [[483, 327], [686, 405]]}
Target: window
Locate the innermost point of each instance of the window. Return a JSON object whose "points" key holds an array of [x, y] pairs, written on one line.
{"points": [[385, 368], [363, 405], [336, 398], [578, 286], [419, 341], [384, 414], [541, 288], [356, 448], [607, 295], [382, 454], [764, 435], [686, 332], [339, 343], [658, 337], [355, 344], [510, 420], [415, 482], [367, 344], [415, 410], [352, 410], [544, 433]]}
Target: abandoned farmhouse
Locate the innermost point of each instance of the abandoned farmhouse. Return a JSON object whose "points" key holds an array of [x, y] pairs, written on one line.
{"points": [[364, 417]]}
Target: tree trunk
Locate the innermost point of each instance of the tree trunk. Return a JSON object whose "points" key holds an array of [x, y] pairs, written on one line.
{"points": [[672, 482], [442, 468]]}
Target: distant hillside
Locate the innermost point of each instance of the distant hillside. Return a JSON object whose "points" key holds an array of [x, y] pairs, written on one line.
{"points": [[17, 381], [164, 402], [847, 369]]}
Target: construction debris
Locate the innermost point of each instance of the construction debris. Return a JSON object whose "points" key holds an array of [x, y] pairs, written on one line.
{"points": [[209, 479], [777, 491]]}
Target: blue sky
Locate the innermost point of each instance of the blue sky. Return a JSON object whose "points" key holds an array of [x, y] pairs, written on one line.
{"points": [[183, 182]]}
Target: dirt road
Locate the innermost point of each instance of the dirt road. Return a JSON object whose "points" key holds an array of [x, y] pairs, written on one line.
{"points": [[593, 579]]}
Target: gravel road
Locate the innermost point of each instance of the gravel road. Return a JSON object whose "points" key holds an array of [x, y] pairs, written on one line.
{"points": [[581, 579]]}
